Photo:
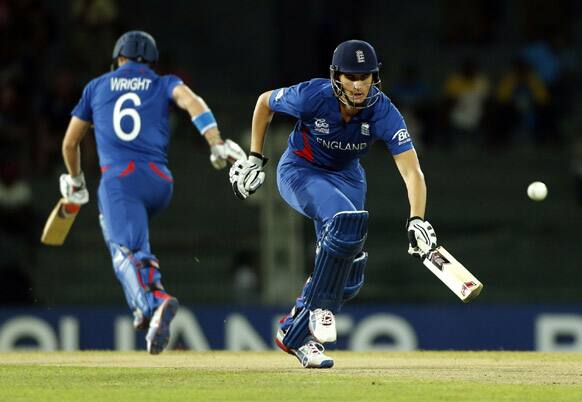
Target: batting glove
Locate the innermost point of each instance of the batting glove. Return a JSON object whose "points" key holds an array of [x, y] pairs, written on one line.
{"points": [[421, 237], [74, 189], [227, 151], [246, 175]]}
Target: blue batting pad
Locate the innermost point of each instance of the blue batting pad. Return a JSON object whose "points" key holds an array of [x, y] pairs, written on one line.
{"points": [[298, 332], [353, 285], [356, 277], [342, 240], [140, 279]]}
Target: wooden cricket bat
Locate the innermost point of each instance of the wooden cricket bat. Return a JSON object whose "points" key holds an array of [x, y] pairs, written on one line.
{"points": [[59, 223], [453, 274]]}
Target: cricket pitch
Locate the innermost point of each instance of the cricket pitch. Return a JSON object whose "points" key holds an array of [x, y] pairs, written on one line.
{"points": [[275, 376]]}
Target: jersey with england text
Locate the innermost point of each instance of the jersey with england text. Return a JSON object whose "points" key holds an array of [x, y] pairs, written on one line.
{"points": [[129, 109], [322, 137]]}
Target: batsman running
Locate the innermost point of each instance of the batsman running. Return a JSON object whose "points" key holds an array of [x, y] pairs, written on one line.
{"points": [[320, 176], [129, 108]]}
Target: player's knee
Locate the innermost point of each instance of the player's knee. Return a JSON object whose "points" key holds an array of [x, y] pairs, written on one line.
{"points": [[346, 233], [140, 278], [149, 270], [356, 277]]}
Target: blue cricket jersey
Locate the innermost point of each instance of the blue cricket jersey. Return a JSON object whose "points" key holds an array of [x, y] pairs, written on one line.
{"points": [[129, 109], [323, 138]]}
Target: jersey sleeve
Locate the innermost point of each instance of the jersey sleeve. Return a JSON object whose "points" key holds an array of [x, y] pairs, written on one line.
{"points": [[172, 81], [293, 100], [83, 109], [392, 130]]}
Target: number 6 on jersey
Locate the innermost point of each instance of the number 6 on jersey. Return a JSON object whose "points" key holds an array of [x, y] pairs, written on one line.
{"points": [[453, 274]]}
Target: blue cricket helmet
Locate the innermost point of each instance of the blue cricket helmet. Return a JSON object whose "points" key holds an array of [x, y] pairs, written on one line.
{"points": [[355, 57], [136, 45]]}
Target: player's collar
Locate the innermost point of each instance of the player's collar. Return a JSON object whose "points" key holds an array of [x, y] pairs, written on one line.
{"points": [[133, 64], [363, 114]]}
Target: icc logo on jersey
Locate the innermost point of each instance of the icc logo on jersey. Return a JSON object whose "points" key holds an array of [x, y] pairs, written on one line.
{"points": [[321, 126]]}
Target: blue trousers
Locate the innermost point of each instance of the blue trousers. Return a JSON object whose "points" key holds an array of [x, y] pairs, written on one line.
{"points": [[320, 193], [129, 195]]}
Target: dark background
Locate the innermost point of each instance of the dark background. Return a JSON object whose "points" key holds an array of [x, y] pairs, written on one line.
{"points": [[517, 62]]}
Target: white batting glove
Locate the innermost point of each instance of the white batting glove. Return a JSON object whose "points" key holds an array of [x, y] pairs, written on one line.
{"points": [[74, 189], [421, 237], [246, 175], [227, 151]]}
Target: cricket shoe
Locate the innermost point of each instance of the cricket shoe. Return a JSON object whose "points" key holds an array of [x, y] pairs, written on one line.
{"points": [[140, 322], [279, 341], [158, 335], [311, 355], [322, 325]]}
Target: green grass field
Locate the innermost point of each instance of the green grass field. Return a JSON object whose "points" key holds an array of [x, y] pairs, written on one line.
{"points": [[274, 376]]}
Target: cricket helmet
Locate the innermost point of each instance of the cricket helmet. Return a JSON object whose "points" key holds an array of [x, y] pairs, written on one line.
{"points": [[355, 57], [139, 46]]}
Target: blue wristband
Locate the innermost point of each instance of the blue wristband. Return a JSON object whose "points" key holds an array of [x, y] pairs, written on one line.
{"points": [[204, 121]]}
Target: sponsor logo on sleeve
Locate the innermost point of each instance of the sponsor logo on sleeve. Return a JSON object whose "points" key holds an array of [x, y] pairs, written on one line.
{"points": [[279, 94], [402, 136]]}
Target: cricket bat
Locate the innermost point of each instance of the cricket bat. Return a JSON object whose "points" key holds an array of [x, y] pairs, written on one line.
{"points": [[453, 274], [59, 223]]}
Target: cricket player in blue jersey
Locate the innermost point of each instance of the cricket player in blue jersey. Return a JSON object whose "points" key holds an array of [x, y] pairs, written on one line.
{"points": [[320, 176], [128, 108]]}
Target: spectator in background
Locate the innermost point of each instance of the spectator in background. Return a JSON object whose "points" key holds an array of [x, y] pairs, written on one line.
{"points": [[96, 26], [412, 96], [55, 111], [554, 61], [16, 217], [246, 278], [18, 229], [523, 105], [466, 92]]}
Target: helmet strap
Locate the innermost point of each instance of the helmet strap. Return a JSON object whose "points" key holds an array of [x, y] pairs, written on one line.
{"points": [[338, 91]]}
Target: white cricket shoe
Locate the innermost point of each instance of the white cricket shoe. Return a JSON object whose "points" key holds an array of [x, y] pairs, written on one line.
{"points": [[158, 335], [322, 325], [311, 355]]}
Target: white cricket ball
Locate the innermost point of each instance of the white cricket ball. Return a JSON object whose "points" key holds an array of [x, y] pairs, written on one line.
{"points": [[537, 191]]}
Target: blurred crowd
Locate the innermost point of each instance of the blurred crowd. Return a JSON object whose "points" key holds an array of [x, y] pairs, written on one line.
{"points": [[522, 108], [39, 85], [43, 70]]}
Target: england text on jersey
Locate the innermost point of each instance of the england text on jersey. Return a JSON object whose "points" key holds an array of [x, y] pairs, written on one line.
{"points": [[130, 84], [342, 146]]}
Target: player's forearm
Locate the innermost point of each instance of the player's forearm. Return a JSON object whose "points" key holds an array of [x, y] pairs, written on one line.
{"points": [[187, 100], [213, 136], [72, 145], [262, 117], [199, 113], [72, 158], [416, 188]]}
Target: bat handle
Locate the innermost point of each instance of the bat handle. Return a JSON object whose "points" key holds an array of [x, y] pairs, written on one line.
{"points": [[70, 208], [428, 253]]}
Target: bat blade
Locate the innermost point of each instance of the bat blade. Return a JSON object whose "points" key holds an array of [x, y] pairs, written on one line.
{"points": [[453, 274], [59, 223]]}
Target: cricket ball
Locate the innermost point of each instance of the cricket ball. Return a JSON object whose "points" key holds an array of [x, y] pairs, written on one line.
{"points": [[537, 191]]}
